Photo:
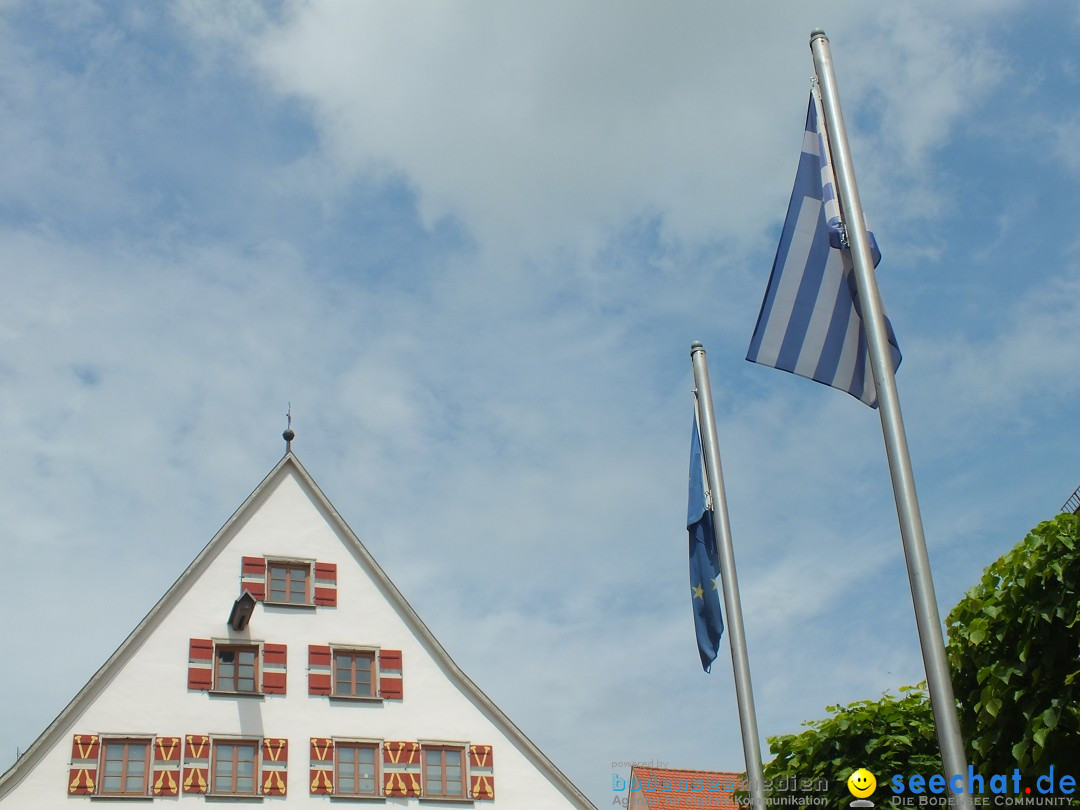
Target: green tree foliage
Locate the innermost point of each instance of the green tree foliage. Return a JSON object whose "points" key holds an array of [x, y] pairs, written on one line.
{"points": [[1014, 651], [894, 735]]}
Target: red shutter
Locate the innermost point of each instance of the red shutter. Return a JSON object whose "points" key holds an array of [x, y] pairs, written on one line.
{"points": [[275, 762], [396, 783], [326, 584], [401, 768], [200, 663], [322, 766], [391, 686], [253, 577], [196, 763], [273, 675], [481, 777], [166, 775], [318, 669], [82, 778]]}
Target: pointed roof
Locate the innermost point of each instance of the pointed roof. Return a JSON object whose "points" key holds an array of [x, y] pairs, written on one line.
{"points": [[682, 789], [289, 464]]}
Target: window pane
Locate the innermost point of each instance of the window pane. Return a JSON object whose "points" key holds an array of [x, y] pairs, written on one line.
{"points": [[113, 767], [111, 784], [245, 784], [366, 780], [136, 767], [453, 788], [356, 770], [134, 784]]}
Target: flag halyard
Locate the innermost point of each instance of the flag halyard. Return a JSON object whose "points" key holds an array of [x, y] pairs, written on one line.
{"points": [[810, 321]]}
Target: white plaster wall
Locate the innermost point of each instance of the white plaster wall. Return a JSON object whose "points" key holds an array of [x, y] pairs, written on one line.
{"points": [[149, 695]]}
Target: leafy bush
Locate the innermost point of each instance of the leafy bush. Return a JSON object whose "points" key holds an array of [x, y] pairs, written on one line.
{"points": [[1014, 652]]}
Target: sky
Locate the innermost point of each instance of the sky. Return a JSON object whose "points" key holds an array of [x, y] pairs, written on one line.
{"points": [[470, 243]]}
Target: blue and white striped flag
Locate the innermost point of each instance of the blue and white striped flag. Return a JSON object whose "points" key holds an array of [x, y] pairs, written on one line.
{"points": [[810, 322]]}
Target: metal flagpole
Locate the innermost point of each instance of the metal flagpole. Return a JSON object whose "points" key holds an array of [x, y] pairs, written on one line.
{"points": [[740, 662], [892, 426]]}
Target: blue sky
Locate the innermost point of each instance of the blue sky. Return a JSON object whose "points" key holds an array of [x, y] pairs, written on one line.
{"points": [[471, 244]]}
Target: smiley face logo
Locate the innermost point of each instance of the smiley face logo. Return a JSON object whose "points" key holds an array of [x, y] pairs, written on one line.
{"points": [[861, 783]]}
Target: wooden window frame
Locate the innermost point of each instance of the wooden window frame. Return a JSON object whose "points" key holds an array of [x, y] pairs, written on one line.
{"points": [[104, 742], [237, 648], [443, 749], [354, 652], [307, 566], [376, 754], [256, 777]]}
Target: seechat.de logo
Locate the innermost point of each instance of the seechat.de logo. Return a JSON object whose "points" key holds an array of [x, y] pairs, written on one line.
{"points": [[862, 784]]}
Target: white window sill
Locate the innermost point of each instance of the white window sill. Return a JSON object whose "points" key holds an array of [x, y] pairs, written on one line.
{"points": [[222, 693], [300, 605]]}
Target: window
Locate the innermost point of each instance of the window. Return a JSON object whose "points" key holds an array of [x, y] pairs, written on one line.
{"points": [[354, 673], [236, 669], [288, 583], [234, 768], [124, 767], [356, 767], [444, 772]]}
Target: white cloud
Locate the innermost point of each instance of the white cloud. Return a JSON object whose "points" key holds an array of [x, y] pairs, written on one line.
{"points": [[534, 124]]}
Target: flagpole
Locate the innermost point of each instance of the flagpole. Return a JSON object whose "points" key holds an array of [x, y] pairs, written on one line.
{"points": [[740, 661], [927, 617]]}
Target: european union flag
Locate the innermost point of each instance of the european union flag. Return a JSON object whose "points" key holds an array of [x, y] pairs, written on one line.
{"points": [[810, 323], [704, 565]]}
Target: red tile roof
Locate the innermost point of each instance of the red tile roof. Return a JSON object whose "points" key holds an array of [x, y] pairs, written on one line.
{"points": [[673, 789]]}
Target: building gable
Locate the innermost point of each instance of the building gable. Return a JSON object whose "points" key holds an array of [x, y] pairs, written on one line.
{"points": [[332, 651]]}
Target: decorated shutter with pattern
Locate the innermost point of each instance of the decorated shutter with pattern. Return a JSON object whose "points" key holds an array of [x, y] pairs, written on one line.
{"points": [[318, 669], [322, 766], [273, 672], [82, 778], [200, 663], [275, 763], [196, 763], [481, 775], [166, 770], [253, 577], [326, 584], [390, 679], [401, 768]]}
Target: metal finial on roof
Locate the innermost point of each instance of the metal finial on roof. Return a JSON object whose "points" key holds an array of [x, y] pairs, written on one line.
{"points": [[288, 435]]}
